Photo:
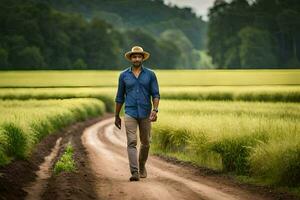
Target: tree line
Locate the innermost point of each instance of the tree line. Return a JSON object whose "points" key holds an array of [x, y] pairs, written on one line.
{"points": [[254, 34], [39, 34]]}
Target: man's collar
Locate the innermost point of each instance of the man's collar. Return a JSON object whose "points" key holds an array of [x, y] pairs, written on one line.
{"points": [[142, 68]]}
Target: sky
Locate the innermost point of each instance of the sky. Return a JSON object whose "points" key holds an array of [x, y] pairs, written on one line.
{"points": [[199, 6]]}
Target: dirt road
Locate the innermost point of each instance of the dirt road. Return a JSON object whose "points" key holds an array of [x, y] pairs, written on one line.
{"points": [[103, 172], [106, 146]]}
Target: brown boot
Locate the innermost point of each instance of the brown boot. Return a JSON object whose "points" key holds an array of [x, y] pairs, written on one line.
{"points": [[143, 172], [135, 177]]}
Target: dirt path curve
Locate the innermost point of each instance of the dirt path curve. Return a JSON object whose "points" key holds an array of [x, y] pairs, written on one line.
{"points": [[106, 146]]}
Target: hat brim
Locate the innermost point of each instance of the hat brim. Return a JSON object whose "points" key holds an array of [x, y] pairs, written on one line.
{"points": [[145, 53]]}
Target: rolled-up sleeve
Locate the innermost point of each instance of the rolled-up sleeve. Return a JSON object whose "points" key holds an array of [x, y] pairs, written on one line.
{"points": [[121, 90], [154, 87]]}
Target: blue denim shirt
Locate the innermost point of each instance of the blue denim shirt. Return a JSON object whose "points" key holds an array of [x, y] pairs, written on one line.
{"points": [[136, 92]]}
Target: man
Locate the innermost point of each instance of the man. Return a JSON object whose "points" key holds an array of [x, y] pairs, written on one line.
{"points": [[135, 87]]}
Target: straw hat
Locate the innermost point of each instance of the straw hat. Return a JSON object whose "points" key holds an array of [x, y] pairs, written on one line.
{"points": [[137, 49]]}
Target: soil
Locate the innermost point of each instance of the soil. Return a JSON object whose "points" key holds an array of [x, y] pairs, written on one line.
{"points": [[17, 175]]}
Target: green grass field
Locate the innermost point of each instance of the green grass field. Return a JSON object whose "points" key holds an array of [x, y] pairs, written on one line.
{"points": [[107, 94], [24, 123], [97, 78], [247, 138], [244, 122], [104, 94]]}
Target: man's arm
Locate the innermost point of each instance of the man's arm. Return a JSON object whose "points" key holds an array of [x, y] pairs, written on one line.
{"points": [[117, 115], [118, 108], [155, 96], [119, 101], [155, 102], [153, 114]]}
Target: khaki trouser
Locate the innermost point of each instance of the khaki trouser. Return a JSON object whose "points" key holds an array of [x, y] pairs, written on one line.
{"points": [[131, 125]]}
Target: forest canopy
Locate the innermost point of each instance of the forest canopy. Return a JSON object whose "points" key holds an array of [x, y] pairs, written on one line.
{"points": [[95, 34], [254, 34]]}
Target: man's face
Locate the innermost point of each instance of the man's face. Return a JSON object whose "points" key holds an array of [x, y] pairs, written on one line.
{"points": [[136, 59]]}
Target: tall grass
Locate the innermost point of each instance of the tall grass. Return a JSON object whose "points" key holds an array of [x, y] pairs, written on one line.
{"points": [[219, 93], [104, 94], [24, 123], [247, 138], [234, 93]]}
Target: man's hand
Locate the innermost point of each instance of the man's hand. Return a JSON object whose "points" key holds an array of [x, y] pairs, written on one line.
{"points": [[118, 121], [153, 116]]}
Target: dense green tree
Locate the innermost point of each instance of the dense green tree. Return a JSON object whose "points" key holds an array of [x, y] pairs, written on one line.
{"points": [[34, 33], [14, 45], [100, 46], [126, 14], [170, 54], [276, 24], [225, 21], [95, 34], [79, 64], [289, 25], [205, 61], [3, 58], [257, 49], [169, 50], [29, 58], [187, 58], [62, 34]]}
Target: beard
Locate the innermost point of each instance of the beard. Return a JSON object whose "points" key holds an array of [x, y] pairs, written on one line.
{"points": [[137, 64]]}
